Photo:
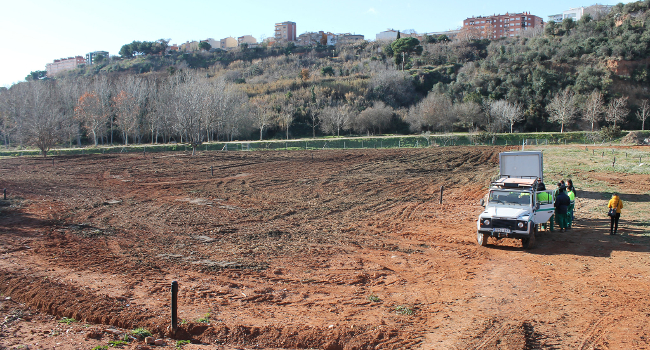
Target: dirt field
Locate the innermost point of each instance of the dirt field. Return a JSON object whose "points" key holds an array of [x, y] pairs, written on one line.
{"points": [[324, 250]]}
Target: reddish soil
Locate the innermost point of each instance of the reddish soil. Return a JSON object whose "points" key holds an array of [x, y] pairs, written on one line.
{"points": [[325, 250]]}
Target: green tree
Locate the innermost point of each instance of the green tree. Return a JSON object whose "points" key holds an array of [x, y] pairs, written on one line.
{"points": [[36, 75], [205, 46], [327, 71], [405, 46]]}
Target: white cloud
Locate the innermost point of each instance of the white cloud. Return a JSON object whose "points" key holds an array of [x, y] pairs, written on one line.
{"points": [[372, 11]]}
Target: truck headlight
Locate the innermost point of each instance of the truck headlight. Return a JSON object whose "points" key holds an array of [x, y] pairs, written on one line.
{"points": [[486, 222], [520, 224]]}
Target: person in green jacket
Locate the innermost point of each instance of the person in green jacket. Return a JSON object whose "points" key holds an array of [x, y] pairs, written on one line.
{"points": [[572, 198]]}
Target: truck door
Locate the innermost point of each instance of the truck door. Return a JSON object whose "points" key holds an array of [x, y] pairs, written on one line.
{"points": [[546, 206]]}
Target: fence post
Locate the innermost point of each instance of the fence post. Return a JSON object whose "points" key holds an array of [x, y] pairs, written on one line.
{"points": [[174, 305], [211, 171], [441, 189], [4, 193]]}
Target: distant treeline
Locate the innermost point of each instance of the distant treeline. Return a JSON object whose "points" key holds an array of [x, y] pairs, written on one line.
{"points": [[580, 75]]}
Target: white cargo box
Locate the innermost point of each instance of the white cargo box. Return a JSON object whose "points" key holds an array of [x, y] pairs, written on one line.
{"points": [[524, 164]]}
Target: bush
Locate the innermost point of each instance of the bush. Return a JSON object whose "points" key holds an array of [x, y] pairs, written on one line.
{"points": [[610, 132]]}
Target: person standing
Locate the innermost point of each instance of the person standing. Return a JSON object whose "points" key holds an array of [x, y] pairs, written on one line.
{"points": [[562, 203], [569, 186], [615, 203], [572, 199]]}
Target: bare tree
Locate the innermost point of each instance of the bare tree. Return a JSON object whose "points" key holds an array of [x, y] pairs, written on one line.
{"points": [[43, 116], [128, 106], [262, 114], [503, 113], [563, 108], [617, 110], [90, 113], [433, 112], [335, 118], [286, 117], [190, 99], [373, 119], [593, 109], [643, 112], [469, 113]]}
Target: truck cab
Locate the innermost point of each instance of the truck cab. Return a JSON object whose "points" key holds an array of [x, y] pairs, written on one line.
{"points": [[517, 202]]}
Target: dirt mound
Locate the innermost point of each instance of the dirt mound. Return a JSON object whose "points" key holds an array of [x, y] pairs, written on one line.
{"points": [[637, 138]]}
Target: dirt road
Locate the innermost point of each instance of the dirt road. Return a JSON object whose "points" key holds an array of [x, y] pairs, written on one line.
{"points": [[324, 249]]}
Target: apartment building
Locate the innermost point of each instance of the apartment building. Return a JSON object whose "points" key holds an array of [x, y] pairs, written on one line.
{"points": [[246, 39], [189, 46], [594, 11], [228, 43], [387, 35], [312, 38], [91, 56], [500, 26], [285, 31], [63, 64]]}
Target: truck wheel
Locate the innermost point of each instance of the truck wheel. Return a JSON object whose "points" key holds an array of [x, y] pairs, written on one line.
{"points": [[529, 242], [482, 238]]}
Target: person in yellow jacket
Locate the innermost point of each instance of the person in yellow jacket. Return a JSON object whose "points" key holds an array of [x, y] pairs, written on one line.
{"points": [[617, 203]]}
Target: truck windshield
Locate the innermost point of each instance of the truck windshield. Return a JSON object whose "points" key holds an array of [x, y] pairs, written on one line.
{"points": [[509, 197]]}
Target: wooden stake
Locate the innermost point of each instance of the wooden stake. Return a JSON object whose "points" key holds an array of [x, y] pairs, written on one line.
{"points": [[174, 306]]}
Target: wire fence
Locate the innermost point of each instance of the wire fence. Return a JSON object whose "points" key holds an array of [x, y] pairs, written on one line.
{"points": [[416, 141]]}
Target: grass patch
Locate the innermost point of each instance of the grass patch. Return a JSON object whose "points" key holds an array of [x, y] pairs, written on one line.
{"points": [[117, 343], [374, 298], [140, 333], [404, 310], [204, 319], [67, 320]]}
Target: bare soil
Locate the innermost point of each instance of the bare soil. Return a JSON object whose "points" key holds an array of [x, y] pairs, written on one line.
{"points": [[331, 249]]}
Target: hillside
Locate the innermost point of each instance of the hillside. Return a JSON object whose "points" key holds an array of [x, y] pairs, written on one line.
{"points": [[362, 88]]}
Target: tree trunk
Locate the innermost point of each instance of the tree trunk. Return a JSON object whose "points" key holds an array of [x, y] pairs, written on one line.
{"points": [[261, 133]]}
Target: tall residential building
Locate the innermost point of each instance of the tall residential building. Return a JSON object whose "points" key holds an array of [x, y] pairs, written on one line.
{"points": [[63, 64], [500, 26], [285, 31], [91, 56], [576, 13]]}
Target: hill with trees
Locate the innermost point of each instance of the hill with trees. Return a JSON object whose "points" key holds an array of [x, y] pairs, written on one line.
{"points": [[585, 75]]}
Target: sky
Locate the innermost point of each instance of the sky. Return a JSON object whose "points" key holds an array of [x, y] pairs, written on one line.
{"points": [[36, 32]]}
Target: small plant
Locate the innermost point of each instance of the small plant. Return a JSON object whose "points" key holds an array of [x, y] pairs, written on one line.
{"points": [[183, 321], [404, 310], [117, 343], [374, 298], [204, 319], [101, 347], [140, 333], [67, 320], [180, 343]]}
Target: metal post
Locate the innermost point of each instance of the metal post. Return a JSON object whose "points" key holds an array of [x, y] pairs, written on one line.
{"points": [[174, 305], [441, 189], [4, 193], [211, 171]]}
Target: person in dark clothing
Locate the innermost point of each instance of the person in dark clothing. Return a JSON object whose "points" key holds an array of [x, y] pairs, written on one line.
{"points": [[562, 203]]}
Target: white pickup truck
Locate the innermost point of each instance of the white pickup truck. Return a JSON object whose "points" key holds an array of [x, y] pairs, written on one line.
{"points": [[518, 201]]}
